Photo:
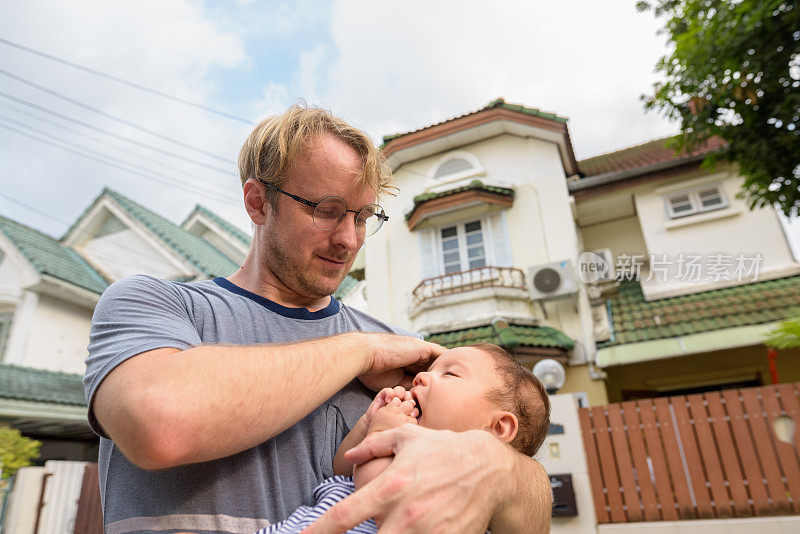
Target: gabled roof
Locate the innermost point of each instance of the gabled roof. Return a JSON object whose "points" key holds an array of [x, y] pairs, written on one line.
{"points": [[496, 118], [48, 256], [196, 251], [498, 103], [39, 385], [225, 225], [644, 156], [633, 319]]}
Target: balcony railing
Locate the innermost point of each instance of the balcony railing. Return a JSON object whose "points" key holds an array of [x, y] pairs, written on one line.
{"points": [[448, 284]]}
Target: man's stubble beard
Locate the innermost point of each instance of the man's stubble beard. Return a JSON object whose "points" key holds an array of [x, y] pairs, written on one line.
{"points": [[295, 275]]}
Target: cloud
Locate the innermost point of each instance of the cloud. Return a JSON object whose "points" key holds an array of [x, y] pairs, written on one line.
{"points": [[400, 66], [171, 45]]}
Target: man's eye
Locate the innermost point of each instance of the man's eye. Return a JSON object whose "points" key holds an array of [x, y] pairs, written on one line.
{"points": [[450, 373]]}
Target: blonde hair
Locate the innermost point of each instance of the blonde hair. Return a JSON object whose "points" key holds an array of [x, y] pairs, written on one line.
{"points": [[276, 142]]}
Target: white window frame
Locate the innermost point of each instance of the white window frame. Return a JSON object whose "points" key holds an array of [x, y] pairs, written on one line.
{"points": [[6, 322], [694, 199], [488, 244]]}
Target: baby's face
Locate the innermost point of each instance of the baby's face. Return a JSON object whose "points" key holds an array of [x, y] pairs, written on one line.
{"points": [[452, 393]]}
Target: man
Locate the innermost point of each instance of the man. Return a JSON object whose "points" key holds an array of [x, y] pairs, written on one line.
{"points": [[180, 377]]}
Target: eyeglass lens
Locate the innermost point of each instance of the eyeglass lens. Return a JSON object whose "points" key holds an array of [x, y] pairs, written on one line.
{"points": [[330, 212]]}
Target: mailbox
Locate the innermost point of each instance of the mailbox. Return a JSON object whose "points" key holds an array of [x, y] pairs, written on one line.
{"points": [[563, 496]]}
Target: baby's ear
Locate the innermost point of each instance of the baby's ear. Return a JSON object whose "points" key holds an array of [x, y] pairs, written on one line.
{"points": [[504, 426]]}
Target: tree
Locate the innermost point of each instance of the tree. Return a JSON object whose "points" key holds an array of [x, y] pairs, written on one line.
{"points": [[785, 335], [15, 451], [734, 73]]}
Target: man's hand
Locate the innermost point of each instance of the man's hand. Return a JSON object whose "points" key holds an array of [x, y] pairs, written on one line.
{"points": [[442, 481], [393, 360]]}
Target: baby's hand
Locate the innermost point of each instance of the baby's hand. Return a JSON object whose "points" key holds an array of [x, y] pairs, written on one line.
{"points": [[383, 398], [397, 412]]}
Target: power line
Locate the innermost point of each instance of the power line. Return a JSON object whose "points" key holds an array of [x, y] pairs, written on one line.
{"points": [[124, 81], [94, 139], [105, 161], [111, 116], [112, 134], [37, 210], [103, 155]]}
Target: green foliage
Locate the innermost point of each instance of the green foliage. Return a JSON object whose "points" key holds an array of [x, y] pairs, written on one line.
{"points": [[734, 72], [16, 450], [785, 335]]}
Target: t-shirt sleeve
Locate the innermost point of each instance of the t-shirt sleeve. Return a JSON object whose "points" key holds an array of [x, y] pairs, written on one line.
{"points": [[134, 315]]}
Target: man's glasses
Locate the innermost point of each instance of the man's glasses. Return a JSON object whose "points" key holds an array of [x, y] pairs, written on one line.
{"points": [[330, 211]]}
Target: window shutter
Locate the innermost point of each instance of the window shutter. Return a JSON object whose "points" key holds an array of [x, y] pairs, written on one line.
{"points": [[428, 263], [500, 238]]}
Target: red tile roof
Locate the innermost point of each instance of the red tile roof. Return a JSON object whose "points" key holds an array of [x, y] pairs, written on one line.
{"points": [[497, 103], [643, 156]]}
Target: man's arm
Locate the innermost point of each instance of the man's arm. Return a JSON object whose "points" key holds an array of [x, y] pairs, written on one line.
{"points": [[444, 481], [167, 407]]}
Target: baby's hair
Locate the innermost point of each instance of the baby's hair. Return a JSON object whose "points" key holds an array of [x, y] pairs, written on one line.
{"points": [[523, 395]]}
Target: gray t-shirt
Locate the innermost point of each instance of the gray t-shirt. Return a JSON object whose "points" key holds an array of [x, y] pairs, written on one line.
{"points": [[243, 492]]}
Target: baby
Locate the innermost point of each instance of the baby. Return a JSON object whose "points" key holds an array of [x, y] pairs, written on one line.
{"points": [[478, 387]]}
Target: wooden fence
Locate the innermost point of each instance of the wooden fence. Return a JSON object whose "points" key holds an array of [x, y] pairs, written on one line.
{"points": [[711, 455], [89, 518]]}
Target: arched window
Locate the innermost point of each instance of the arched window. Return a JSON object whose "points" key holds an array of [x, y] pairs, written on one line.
{"points": [[453, 166]]}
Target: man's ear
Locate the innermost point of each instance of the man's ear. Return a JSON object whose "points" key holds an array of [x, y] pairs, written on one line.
{"points": [[504, 425], [254, 201]]}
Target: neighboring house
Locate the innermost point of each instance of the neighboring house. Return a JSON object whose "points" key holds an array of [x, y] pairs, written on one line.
{"points": [[48, 290], [497, 216]]}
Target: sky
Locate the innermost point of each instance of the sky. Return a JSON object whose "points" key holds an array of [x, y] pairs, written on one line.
{"points": [[387, 67]]}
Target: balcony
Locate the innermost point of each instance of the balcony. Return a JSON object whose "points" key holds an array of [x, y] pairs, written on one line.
{"points": [[467, 297]]}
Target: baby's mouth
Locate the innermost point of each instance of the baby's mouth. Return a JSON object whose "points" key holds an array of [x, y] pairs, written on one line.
{"points": [[419, 406]]}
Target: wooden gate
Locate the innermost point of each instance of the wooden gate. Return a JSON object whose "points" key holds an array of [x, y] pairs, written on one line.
{"points": [[711, 455], [89, 519]]}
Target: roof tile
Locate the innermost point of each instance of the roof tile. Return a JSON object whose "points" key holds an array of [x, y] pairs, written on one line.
{"points": [[509, 337], [39, 385], [49, 256], [756, 303], [643, 156]]}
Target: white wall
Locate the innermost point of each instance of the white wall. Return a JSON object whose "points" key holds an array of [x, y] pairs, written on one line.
{"points": [[564, 454], [57, 337], [125, 253], [541, 228], [730, 230]]}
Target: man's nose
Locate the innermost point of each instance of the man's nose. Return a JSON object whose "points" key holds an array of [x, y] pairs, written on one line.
{"points": [[345, 233]]}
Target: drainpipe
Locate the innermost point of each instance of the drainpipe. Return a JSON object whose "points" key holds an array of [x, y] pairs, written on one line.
{"points": [[772, 355]]}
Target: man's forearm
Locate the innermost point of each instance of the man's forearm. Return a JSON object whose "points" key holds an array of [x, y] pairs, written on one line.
{"points": [[528, 507], [212, 401]]}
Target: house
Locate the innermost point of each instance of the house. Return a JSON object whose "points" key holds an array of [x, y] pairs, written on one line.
{"points": [[639, 270], [48, 290]]}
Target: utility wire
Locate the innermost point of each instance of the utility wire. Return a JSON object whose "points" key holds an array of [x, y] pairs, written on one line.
{"points": [[103, 155], [91, 138], [37, 210], [112, 134], [110, 116], [124, 81], [114, 165]]}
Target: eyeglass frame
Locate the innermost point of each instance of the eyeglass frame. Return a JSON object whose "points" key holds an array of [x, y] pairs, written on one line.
{"points": [[382, 216]]}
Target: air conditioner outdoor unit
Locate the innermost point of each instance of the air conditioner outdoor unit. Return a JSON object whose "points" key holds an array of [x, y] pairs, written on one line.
{"points": [[553, 280]]}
